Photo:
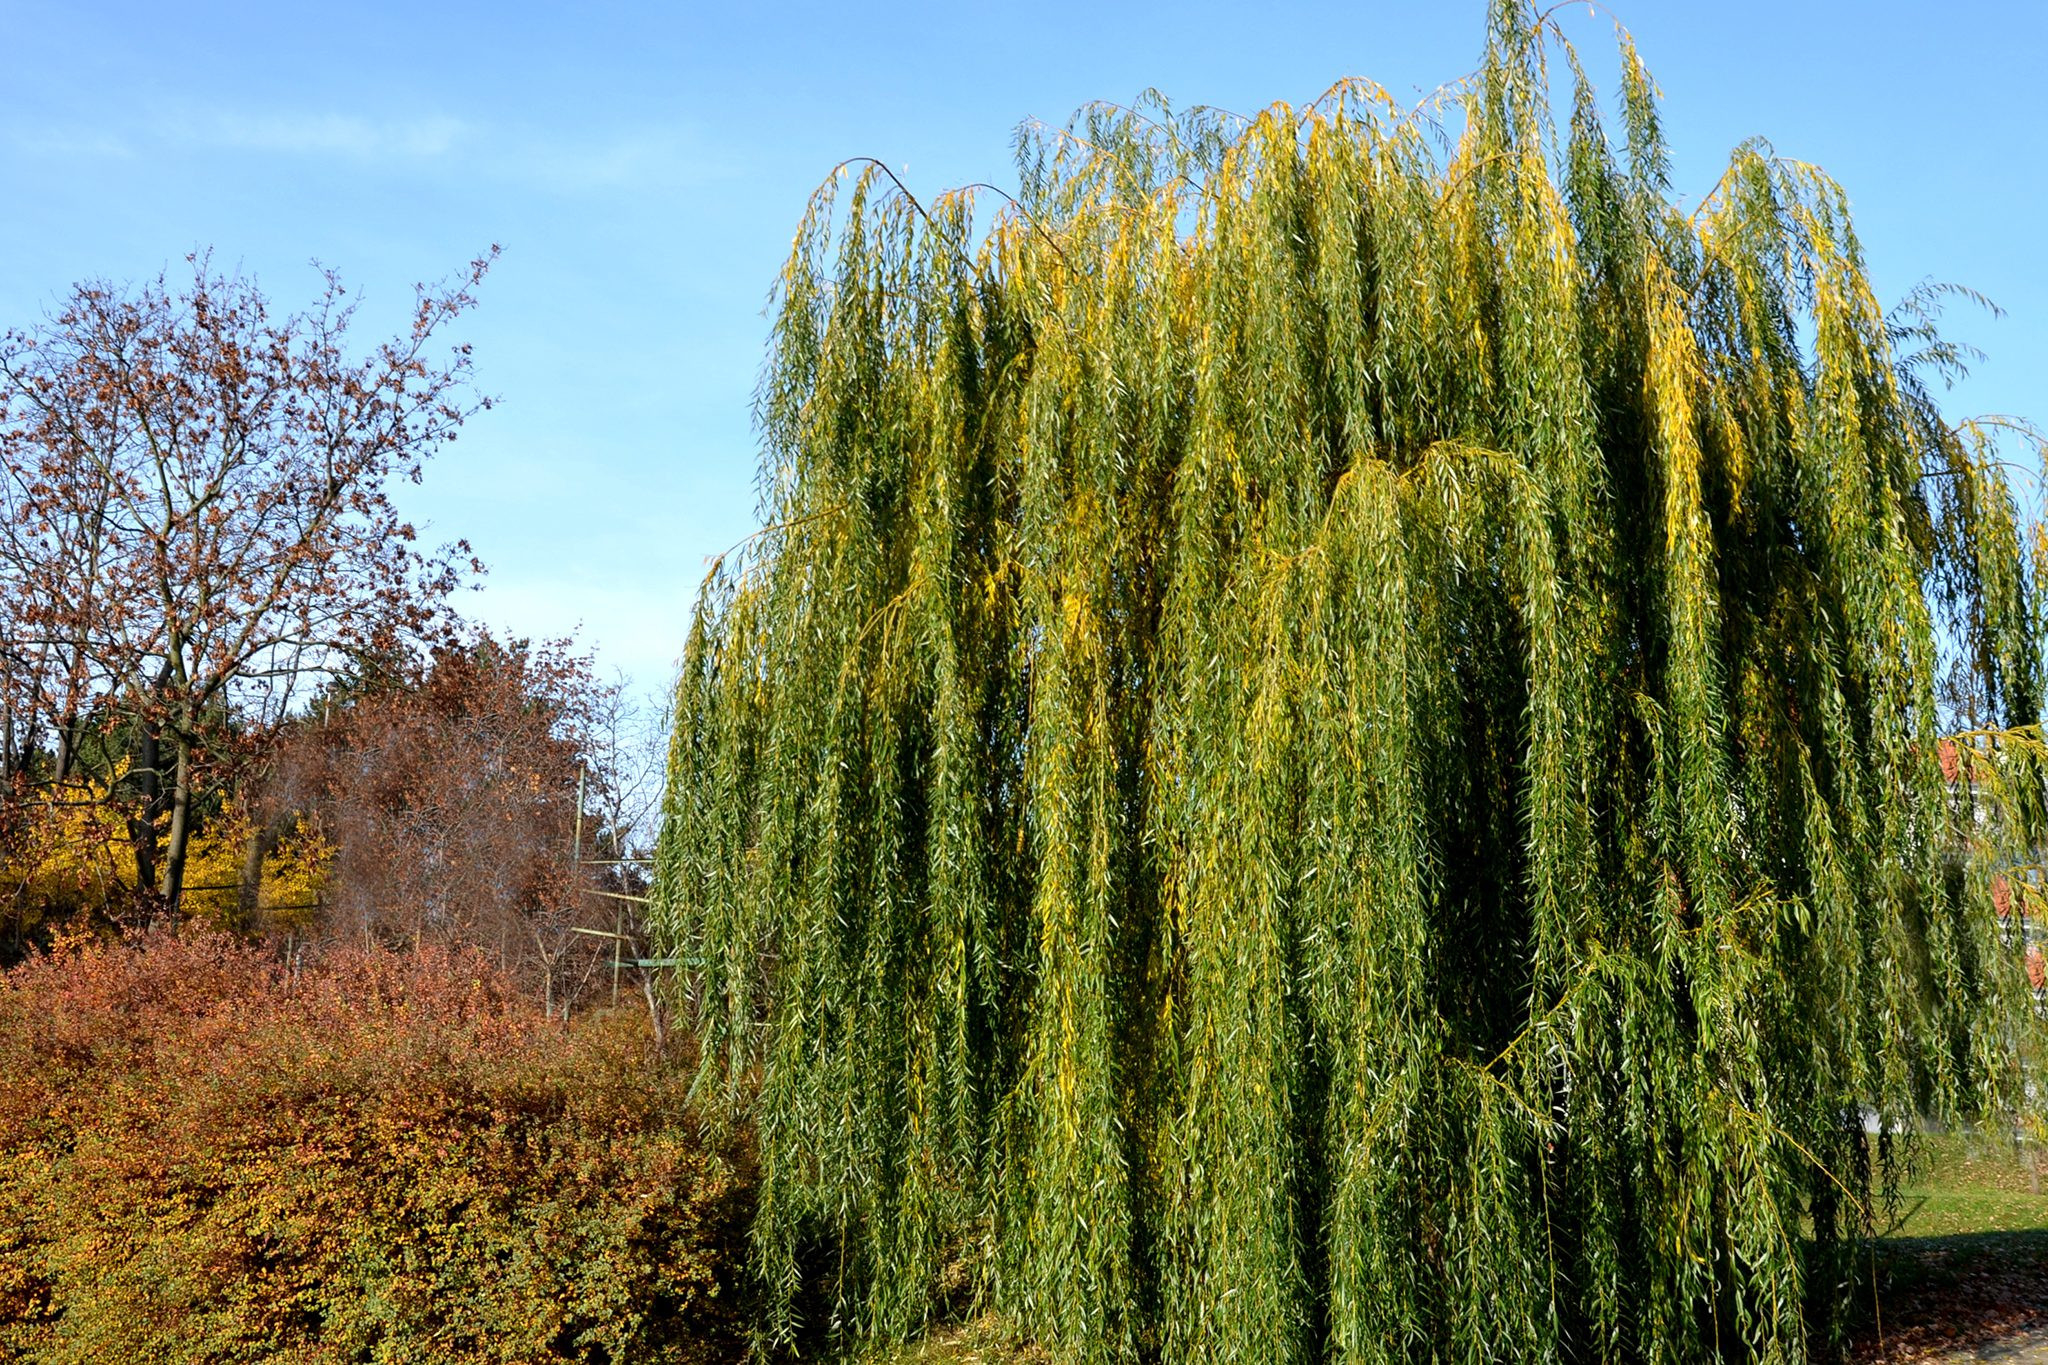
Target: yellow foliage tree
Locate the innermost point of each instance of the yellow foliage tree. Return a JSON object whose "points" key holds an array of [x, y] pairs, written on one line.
{"points": [[69, 855]]}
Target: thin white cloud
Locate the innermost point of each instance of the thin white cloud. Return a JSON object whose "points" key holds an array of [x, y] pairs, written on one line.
{"points": [[343, 135], [69, 143], [629, 159], [633, 160]]}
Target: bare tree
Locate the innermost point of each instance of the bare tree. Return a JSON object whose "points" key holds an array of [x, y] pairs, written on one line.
{"points": [[626, 777], [628, 743]]}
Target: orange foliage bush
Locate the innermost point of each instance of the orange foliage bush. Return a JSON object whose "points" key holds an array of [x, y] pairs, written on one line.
{"points": [[206, 1156]]}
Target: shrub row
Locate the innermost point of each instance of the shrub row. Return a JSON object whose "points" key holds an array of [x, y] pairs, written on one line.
{"points": [[206, 1156]]}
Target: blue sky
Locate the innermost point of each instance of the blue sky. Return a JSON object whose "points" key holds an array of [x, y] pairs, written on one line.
{"points": [[643, 166]]}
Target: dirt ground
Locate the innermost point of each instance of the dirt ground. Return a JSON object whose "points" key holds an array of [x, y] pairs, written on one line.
{"points": [[1967, 1297]]}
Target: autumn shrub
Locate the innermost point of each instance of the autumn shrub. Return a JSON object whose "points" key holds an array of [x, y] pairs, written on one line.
{"points": [[209, 1155]]}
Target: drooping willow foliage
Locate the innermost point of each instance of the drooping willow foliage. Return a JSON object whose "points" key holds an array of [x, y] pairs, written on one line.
{"points": [[1334, 745]]}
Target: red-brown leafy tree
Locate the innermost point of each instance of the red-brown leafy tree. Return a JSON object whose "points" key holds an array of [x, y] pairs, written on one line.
{"points": [[194, 521], [449, 788]]}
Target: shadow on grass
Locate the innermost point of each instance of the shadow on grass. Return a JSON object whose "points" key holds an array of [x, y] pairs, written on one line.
{"points": [[1931, 1296]]}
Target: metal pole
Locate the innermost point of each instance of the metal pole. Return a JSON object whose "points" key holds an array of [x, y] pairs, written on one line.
{"points": [[577, 850]]}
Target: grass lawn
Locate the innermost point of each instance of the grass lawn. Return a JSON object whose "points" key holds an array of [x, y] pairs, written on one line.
{"points": [[1974, 1185], [1967, 1261]]}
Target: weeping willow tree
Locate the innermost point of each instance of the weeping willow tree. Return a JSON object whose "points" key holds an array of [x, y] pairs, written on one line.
{"points": [[1352, 736]]}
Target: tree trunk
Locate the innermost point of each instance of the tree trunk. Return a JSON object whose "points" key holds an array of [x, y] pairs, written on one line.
{"points": [[142, 835], [263, 839], [172, 885]]}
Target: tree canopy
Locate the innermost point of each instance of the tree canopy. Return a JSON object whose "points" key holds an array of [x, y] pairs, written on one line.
{"points": [[1352, 734], [194, 521]]}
